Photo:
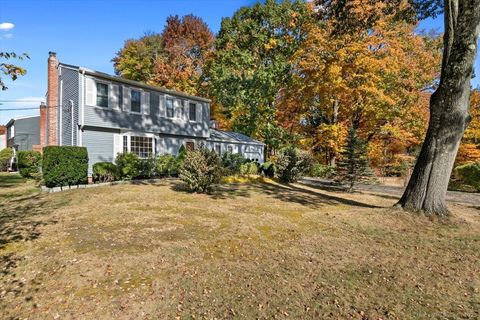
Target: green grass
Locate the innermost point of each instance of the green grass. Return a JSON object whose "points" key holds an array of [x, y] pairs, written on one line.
{"points": [[249, 250]]}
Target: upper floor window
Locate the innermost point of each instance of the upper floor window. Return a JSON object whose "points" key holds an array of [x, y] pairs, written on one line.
{"points": [[169, 107], [136, 105], [102, 95], [192, 111]]}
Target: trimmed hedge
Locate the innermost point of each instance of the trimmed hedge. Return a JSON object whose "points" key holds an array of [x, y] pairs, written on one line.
{"points": [[128, 165], [104, 172], [469, 174], [29, 163], [64, 166], [5, 157]]}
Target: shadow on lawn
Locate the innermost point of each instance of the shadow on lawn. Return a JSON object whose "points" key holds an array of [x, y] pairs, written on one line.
{"points": [[10, 180]]}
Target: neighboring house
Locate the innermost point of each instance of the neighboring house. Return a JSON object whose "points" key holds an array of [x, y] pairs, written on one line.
{"points": [[23, 133], [110, 115], [3, 137]]}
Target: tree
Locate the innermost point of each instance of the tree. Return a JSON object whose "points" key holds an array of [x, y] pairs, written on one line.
{"points": [[449, 117], [251, 64], [11, 70], [371, 76], [173, 59], [353, 166]]}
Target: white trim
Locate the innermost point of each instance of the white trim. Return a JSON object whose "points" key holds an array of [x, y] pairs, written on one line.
{"points": [[137, 134], [60, 108]]}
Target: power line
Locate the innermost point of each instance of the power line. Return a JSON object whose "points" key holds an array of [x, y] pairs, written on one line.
{"points": [[26, 108], [18, 100]]}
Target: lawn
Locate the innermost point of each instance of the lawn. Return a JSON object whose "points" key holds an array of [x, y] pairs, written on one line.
{"points": [[259, 250]]}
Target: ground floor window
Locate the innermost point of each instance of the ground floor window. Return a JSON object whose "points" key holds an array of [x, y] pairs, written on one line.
{"points": [[139, 145], [218, 149]]}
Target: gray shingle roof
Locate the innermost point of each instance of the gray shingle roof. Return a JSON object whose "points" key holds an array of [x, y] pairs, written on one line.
{"points": [[229, 136]]}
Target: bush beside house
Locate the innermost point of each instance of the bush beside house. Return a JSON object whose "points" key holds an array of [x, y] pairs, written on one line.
{"points": [[127, 166], [64, 166], [29, 164], [104, 172], [5, 157], [200, 170], [292, 164]]}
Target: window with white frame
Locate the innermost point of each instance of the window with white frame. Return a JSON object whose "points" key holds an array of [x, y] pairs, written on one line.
{"points": [[142, 146], [102, 94], [136, 101], [169, 107], [192, 111]]}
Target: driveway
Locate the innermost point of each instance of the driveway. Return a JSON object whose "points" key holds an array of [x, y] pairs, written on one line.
{"points": [[472, 199]]}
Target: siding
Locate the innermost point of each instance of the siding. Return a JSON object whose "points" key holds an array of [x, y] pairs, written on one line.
{"points": [[171, 145], [70, 99], [26, 133], [120, 118], [99, 145], [249, 151]]}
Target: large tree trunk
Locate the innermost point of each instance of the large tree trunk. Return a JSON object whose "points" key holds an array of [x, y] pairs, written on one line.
{"points": [[449, 116]]}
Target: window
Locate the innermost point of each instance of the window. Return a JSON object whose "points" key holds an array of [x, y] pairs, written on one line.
{"points": [[192, 112], [218, 149], [141, 146], [169, 107], [189, 145], [136, 101], [102, 95], [230, 149]]}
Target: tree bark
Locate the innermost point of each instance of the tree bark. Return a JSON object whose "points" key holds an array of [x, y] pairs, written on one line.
{"points": [[449, 116]]}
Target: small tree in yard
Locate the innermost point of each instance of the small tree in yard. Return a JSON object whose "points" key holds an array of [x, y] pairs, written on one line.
{"points": [[200, 170], [292, 164], [353, 166]]}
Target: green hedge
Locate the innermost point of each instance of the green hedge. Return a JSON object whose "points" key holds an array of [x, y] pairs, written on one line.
{"points": [[64, 166], [104, 172], [128, 165], [5, 157], [29, 163], [469, 174]]}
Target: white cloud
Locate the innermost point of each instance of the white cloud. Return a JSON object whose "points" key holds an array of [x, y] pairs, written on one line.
{"points": [[7, 36], [6, 26]]}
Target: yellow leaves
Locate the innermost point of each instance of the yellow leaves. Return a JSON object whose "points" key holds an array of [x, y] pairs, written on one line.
{"points": [[271, 44]]}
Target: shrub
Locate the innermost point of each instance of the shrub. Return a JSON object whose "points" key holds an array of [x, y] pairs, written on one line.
{"points": [[104, 172], [232, 162], [292, 163], [5, 157], [322, 171], [146, 168], [29, 163], [167, 165], [268, 169], [200, 170], [182, 152], [248, 168], [127, 165], [64, 166], [469, 174]]}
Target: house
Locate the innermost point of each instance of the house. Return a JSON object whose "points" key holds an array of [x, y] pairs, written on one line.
{"points": [[3, 137], [23, 133], [110, 115]]}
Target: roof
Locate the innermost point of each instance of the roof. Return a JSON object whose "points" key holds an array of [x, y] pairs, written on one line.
{"points": [[134, 83], [9, 123], [229, 136]]}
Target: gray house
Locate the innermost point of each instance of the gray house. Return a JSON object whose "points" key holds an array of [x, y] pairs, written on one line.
{"points": [[23, 133], [110, 115]]}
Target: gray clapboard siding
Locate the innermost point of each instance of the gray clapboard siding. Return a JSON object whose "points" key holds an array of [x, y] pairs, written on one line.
{"points": [[100, 146], [69, 104]]}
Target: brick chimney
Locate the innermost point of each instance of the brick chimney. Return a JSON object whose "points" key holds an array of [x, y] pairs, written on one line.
{"points": [[52, 100], [43, 129]]}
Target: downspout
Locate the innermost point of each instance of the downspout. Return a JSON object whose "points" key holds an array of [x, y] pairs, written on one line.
{"points": [[82, 106]]}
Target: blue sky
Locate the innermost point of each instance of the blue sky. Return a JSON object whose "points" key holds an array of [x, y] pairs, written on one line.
{"points": [[89, 33]]}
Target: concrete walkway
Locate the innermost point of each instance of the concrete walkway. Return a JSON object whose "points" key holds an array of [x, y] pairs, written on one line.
{"points": [[471, 199]]}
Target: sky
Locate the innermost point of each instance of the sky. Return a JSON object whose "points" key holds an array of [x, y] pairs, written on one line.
{"points": [[88, 33]]}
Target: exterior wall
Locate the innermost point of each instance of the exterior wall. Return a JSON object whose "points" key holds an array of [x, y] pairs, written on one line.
{"points": [[171, 144], [253, 152], [153, 114], [100, 146], [26, 133], [69, 108]]}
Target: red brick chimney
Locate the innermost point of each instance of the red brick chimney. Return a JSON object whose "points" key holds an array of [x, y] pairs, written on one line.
{"points": [[52, 100], [43, 129]]}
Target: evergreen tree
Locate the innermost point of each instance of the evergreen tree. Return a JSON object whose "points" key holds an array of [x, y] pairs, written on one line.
{"points": [[353, 166]]}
